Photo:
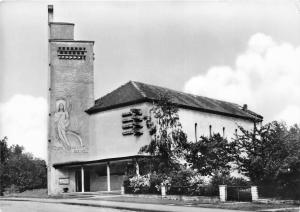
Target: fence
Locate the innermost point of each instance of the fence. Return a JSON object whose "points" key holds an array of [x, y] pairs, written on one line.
{"points": [[268, 191], [280, 192], [239, 193]]}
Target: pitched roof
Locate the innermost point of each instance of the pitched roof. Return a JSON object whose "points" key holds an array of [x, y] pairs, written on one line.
{"points": [[137, 92]]}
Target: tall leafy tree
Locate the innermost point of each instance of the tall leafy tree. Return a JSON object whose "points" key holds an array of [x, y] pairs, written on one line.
{"points": [[211, 155], [20, 170], [270, 155], [260, 152], [167, 137], [24, 171], [4, 153]]}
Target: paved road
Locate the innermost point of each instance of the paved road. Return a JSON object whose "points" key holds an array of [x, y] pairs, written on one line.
{"points": [[24, 206], [91, 205]]}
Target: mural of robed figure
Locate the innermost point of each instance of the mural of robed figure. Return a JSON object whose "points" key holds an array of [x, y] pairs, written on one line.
{"points": [[62, 122]]}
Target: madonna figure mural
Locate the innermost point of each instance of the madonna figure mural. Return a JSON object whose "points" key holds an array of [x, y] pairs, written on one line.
{"points": [[65, 136]]}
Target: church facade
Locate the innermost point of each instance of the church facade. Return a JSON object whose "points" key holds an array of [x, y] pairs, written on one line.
{"points": [[91, 142]]}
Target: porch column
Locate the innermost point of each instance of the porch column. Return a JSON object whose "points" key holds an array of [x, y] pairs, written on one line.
{"points": [[82, 179], [108, 176], [137, 168]]}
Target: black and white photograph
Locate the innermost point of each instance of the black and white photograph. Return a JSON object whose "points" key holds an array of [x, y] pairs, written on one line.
{"points": [[150, 105]]}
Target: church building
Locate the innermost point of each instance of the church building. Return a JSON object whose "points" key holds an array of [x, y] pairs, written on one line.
{"points": [[91, 142]]}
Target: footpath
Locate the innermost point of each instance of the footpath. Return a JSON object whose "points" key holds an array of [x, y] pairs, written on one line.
{"points": [[119, 205], [130, 202]]}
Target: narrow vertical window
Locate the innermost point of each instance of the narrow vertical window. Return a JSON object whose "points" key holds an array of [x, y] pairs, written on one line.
{"points": [[223, 132], [210, 131], [235, 132], [196, 136]]}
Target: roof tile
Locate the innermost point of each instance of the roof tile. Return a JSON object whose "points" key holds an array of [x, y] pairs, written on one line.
{"points": [[137, 92]]}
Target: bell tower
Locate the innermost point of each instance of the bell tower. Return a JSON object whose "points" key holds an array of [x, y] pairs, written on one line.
{"points": [[71, 92]]}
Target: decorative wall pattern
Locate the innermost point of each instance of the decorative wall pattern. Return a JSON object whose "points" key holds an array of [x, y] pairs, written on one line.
{"points": [[132, 122]]}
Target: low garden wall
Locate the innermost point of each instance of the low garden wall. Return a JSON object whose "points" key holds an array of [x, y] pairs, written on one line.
{"points": [[201, 199]]}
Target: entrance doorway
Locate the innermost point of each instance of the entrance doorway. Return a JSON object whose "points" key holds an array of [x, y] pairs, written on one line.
{"points": [[78, 181]]}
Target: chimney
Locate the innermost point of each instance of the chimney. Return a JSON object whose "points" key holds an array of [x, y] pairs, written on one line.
{"points": [[50, 13], [245, 107], [59, 30]]}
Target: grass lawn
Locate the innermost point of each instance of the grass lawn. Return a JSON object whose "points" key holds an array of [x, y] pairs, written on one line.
{"points": [[34, 193], [246, 206]]}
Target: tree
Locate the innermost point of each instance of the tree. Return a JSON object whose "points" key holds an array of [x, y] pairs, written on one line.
{"points": [[24, 171], [20, 170], [4, 153], [270, 155], [261, 152], [288, 175], [210, 156], [167, 138]]}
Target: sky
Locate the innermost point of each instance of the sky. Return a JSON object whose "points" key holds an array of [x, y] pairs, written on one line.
{"points": [[247, 52]]}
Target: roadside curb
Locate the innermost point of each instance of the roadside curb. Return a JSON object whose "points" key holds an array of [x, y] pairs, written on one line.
{"points": [[132, 206], [279, 209], [145, 207], [86, 204]]}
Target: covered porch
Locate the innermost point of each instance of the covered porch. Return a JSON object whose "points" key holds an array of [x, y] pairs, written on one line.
{"points": [[105, 175]]}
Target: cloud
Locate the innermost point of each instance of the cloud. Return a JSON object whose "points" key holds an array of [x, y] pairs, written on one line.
{"points": [[290, 113], [265, 76], [23, 120]]}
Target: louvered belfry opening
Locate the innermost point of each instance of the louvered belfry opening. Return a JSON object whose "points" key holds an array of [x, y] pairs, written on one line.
{"points": [[71, 53]]}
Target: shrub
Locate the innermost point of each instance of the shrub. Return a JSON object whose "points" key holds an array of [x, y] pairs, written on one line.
{"points": [[189, 182], [126, 184], [198, 187], [219, 179], [12, 189], [184, 182], [140, 184], [146, 184], [181, 182], [155, 183]]}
